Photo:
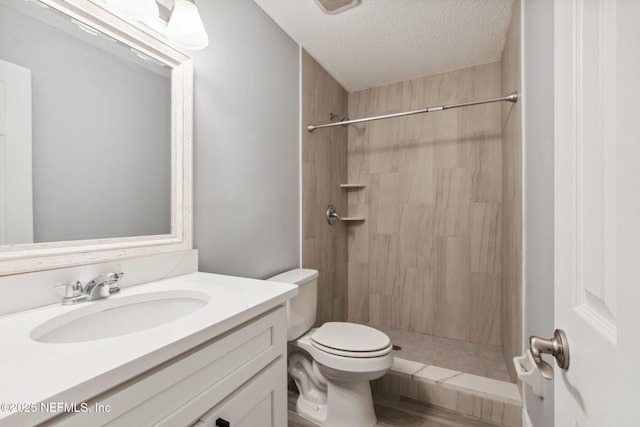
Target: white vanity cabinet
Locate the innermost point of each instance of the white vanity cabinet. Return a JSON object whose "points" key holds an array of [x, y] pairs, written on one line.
{"points": [[236, 379], [256, 403]]}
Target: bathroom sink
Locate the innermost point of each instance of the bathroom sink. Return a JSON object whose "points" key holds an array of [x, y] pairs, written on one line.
{"points": [[116, 316]]}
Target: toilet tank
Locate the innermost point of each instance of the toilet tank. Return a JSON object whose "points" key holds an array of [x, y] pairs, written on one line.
{"points": [[301, 309]]}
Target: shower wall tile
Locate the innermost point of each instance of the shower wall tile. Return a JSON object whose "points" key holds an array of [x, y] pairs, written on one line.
{"points": [[324, 168], [415, 302], [384, 188], [486, 310], [358, 295], [388, 308], [412, 290], [415, 249], [487, 74], [486, 237], [384, 217], [455, 86], [375, 309], [486, 167], [309, 255], [338, 308], [358, 237], [397, 311], [454, 270], [416, 180], [445, 139], [417, 217], [384, 270], [453, 200], [453, 288], [360, 210], [358, 163], [452, 321], [309, 197], [432, 204]]}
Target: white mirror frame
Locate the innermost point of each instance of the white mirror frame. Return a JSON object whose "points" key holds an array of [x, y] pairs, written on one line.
{"points": [[22, 258]]}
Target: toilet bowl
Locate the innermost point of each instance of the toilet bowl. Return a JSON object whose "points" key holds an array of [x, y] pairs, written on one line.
{"points": [[332, 364]]}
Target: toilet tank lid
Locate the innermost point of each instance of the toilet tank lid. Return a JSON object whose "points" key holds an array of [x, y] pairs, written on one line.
{"points": [[297, 276]]}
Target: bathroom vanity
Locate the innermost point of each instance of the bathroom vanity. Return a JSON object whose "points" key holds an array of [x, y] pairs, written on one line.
{"points": [[222, 362]]}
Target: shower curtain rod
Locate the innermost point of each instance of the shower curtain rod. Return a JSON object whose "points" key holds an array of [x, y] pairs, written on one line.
{"points": [[512, 97]]}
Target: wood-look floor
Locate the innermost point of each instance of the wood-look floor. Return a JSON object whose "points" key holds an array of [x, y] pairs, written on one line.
{"points": [[398, 412]]}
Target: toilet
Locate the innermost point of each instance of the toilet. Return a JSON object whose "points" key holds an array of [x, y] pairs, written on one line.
{"points": [[332, 364]]}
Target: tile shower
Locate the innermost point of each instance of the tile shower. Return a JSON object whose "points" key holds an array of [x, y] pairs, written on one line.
{"points": [[438, 253], [428, 258]]}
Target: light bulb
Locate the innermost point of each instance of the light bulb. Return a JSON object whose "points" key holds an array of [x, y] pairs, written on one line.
{"points": [[185, 28]]}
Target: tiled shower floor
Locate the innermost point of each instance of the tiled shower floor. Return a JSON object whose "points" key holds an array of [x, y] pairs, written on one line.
{"points": [[478, 359]]}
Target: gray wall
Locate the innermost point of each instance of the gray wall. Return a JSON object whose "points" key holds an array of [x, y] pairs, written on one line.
{"points": [[538, 157], [101, 131], [247, 150]]}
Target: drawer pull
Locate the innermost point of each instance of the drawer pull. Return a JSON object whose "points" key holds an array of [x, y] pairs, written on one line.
{"points": [[221, 422]]}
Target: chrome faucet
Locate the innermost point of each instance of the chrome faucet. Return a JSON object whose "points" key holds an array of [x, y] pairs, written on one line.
{"points": [[102, 286], [97, 288]]}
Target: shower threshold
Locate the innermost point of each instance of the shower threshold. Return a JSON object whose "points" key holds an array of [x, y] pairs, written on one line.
{"points": [[466, 378], [473, 358]]}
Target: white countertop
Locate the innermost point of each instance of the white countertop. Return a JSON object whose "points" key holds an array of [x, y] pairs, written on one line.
{"points": [[32, 372]]}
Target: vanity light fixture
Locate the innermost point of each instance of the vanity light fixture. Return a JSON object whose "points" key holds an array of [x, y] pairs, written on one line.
{"points": [[185, 28], [139, 10]]}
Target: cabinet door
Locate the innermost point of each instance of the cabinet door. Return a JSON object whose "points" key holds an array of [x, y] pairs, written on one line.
{"points": [[260, 402]]}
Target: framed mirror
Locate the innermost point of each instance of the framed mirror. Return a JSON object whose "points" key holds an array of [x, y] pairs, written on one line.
{"points": [[95, 138]]}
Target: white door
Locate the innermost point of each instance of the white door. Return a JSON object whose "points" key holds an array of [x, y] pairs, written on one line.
{"points": [[16, 200], [597, 211]]}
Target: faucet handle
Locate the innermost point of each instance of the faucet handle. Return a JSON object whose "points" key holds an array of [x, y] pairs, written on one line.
{"points": [[72, 289], [72, 292], [114, 281]]}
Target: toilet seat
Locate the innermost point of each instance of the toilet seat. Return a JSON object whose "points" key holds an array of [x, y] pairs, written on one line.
{"points": [[354, 354], [351, 340], [347, 363]]}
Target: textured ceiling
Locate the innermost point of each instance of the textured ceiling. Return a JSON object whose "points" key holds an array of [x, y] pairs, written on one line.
{"points": [[386, 41]]}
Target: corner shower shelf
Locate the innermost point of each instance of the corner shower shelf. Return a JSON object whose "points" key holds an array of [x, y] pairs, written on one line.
{"points": [[353, 187]]}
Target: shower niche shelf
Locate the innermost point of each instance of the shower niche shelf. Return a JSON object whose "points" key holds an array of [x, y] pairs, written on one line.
{"points": [[353, 187]]}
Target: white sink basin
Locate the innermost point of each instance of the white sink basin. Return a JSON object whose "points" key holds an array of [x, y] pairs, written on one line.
{"points": [[116, 316]]}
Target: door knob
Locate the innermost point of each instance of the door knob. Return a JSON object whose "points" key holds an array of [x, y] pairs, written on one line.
{"points": [[558, 347]]}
